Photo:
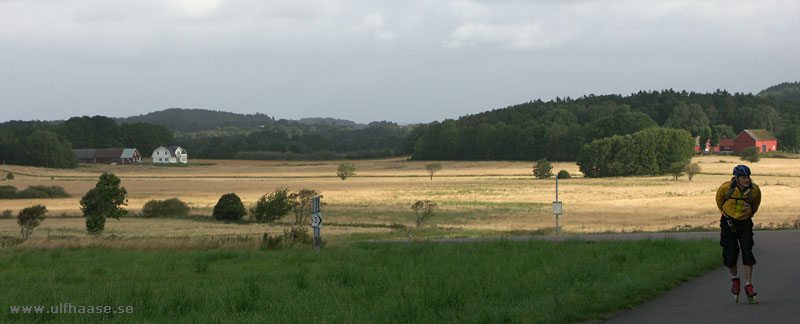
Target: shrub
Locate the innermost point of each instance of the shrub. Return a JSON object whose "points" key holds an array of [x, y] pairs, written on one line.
{"points": [[563, 174], [103, 201], [297, 237], [433, 168], [43, 192], [229, 208], [272, 206], [676, 169], [6, 214], [543, 169], [29, 218], [300, 203], [692, 169], [170, 207], [8, 192], [423, 210], [750, 154], [32, 192], [10, 176], [346, 170], [269, 242]]}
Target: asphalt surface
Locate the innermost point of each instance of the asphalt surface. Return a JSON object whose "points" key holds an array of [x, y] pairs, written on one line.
{"points": [[707, 299]]}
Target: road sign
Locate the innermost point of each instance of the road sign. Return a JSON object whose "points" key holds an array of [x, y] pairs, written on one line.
{"points": [[316, 219], [557, 208]]}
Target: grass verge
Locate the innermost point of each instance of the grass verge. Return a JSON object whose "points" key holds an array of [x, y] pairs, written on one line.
{"points": [[481, 282]]}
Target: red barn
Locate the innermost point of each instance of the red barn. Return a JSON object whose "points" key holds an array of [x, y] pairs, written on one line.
{"points": [[108, 156], [761, 138], [725, 145]]}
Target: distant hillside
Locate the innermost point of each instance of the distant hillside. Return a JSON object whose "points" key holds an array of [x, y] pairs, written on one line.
{"points": [[199, 120], [193, 120], [333, 122], [787, 91]]}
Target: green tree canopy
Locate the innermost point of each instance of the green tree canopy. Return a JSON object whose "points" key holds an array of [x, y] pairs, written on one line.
{"points": [[103, 201], [47, 149], [650, 151]]}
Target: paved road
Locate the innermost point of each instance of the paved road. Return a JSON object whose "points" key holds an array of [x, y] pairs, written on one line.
{"points": [[707, 299]]}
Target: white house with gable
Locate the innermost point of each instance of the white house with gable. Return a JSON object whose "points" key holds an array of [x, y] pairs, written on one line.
{"points": [[172, 154]]}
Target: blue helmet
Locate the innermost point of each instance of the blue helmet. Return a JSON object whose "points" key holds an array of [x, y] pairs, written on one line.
{"points": [[741, 170]]}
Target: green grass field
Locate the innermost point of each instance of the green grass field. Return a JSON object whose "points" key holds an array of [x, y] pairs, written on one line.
{"points": [[482, 282]]}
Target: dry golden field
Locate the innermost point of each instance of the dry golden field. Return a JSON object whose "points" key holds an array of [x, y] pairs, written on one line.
{"points": [[487, 198]]}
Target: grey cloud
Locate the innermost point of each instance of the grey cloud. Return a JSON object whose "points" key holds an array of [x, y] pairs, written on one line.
{"points": [[374, 60]]}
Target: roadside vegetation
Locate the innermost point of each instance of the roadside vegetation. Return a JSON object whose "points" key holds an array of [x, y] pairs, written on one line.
{"points": [[497, 282]]}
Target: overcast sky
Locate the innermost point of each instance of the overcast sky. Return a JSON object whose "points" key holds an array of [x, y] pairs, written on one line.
{"points": [[403, 61]]}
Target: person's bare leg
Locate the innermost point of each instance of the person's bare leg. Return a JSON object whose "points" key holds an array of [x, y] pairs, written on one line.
{"points": [[748, 274], [734, 270]]}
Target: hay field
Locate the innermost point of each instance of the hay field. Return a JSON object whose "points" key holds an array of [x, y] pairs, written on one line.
{"points": [[481, 197]]}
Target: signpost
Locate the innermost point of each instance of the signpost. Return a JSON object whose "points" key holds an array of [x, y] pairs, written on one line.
{"points": [[557, 206], [316, 221]]}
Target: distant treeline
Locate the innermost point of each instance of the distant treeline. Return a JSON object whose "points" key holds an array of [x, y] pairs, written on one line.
{"points": [[305, 142], [558, 130], [51, 144]]}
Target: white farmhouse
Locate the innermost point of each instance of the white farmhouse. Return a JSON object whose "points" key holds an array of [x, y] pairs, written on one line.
{"points": [[173, 154]]}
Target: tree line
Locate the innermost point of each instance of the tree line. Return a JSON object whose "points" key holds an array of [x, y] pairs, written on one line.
{"points": [[557, 130], [305, 142], [51, 144], [560, 129]]}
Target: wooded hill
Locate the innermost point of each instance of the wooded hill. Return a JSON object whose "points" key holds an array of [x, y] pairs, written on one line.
{"points": [[558, 129]]}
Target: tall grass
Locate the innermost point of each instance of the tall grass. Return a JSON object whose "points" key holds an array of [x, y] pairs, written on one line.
{"points": [[486, 282]]}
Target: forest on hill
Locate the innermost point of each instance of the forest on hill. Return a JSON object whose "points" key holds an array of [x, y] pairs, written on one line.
{"points": [[557, 130]]}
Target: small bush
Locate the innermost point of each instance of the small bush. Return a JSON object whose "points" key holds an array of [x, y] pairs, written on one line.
{"points": [[160, 208], [676, 169], [433, 168], [543, 169], [229, 208], [563, 174], [750, 154], [269, 242], [7, 214], [10, 176], [8, 192], [272, 206], [346, 170], [33, 192], [297, 237], [692, 169], [423, 210], [43, 192], [29, 218]]}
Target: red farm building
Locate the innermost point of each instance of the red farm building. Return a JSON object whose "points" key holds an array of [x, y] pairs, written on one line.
{"points": [[122, 156], [761, 138]]}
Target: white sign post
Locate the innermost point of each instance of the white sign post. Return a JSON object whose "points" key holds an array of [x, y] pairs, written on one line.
{"points": [[316, 221], [557, 206]]}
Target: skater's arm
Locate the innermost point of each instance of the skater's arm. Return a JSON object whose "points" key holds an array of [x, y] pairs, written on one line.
{"points": [[721, 192], [756, 199]]}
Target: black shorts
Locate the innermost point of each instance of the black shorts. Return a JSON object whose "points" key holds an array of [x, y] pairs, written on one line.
{"points": [[739, 234]]}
